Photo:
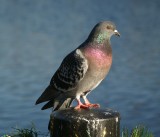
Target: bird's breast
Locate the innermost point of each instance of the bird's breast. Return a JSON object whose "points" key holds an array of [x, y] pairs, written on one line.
{"points": [[98, 59]]}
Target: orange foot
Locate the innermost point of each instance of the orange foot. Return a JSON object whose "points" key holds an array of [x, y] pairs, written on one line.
{"points": [[82, 106], [92, 105], [87, 103]]}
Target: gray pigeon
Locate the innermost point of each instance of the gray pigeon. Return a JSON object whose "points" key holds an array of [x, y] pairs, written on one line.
{"points": [[82, 70]]}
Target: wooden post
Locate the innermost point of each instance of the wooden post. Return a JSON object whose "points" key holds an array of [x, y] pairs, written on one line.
{"points": [[85, 123]]}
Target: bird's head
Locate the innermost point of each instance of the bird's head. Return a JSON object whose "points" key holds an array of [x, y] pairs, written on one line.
{"points": [[103, 31]]}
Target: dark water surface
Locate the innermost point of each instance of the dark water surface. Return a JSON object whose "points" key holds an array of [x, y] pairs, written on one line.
{"points": [[36, 35]]}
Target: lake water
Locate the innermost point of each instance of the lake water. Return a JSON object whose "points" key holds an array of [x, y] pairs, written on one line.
{"points": [[36, 35]]}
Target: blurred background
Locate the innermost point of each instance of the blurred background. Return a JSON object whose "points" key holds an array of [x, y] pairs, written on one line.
{"points": [[36, 35]]}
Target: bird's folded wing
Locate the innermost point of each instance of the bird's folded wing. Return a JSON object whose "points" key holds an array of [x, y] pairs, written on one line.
{"points": [[71, 71]]}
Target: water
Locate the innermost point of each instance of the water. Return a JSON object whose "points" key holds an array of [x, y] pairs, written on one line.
{"points": [[35, 36]]}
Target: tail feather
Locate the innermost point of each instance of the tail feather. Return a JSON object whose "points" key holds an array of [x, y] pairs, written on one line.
{"points": [[47, 95], [58, 104], [48, 105]]}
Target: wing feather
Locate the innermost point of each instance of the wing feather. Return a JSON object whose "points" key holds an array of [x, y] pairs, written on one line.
{"points": [[70, 72]]}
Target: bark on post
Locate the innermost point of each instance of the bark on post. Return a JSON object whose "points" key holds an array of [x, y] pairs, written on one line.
{"points": [[85, 123]]}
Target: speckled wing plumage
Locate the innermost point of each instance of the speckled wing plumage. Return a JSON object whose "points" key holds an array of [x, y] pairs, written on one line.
{"points": [[65, 80], [71, 71]]}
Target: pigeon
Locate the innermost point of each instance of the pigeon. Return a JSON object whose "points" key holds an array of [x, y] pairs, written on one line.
{"points": [[81, 71]]}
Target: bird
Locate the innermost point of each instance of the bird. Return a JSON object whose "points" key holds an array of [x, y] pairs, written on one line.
{"points": [[81, 71]]}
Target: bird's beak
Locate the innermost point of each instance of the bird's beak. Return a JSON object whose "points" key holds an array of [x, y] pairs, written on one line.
{"points": [[116, 32]]}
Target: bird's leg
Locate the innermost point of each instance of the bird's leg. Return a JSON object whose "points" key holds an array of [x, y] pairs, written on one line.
{"points": [[87, 103], [80, 105]]}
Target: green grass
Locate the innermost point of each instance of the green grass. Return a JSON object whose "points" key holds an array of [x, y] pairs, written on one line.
{"points": [[26, 132], [138, 131]]}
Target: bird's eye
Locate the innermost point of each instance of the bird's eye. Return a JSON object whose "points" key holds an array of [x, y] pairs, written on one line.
{"points": [[108, 27]]}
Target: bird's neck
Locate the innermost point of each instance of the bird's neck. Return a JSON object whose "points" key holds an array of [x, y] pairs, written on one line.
{"points": [[99, 41], [99, 38]]}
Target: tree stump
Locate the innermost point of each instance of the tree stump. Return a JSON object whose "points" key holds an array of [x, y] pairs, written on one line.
{"points": [[85, 123]]}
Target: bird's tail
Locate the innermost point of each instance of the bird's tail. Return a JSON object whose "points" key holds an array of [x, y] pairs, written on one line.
{"points": [[55, 99], [58, 104]]}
